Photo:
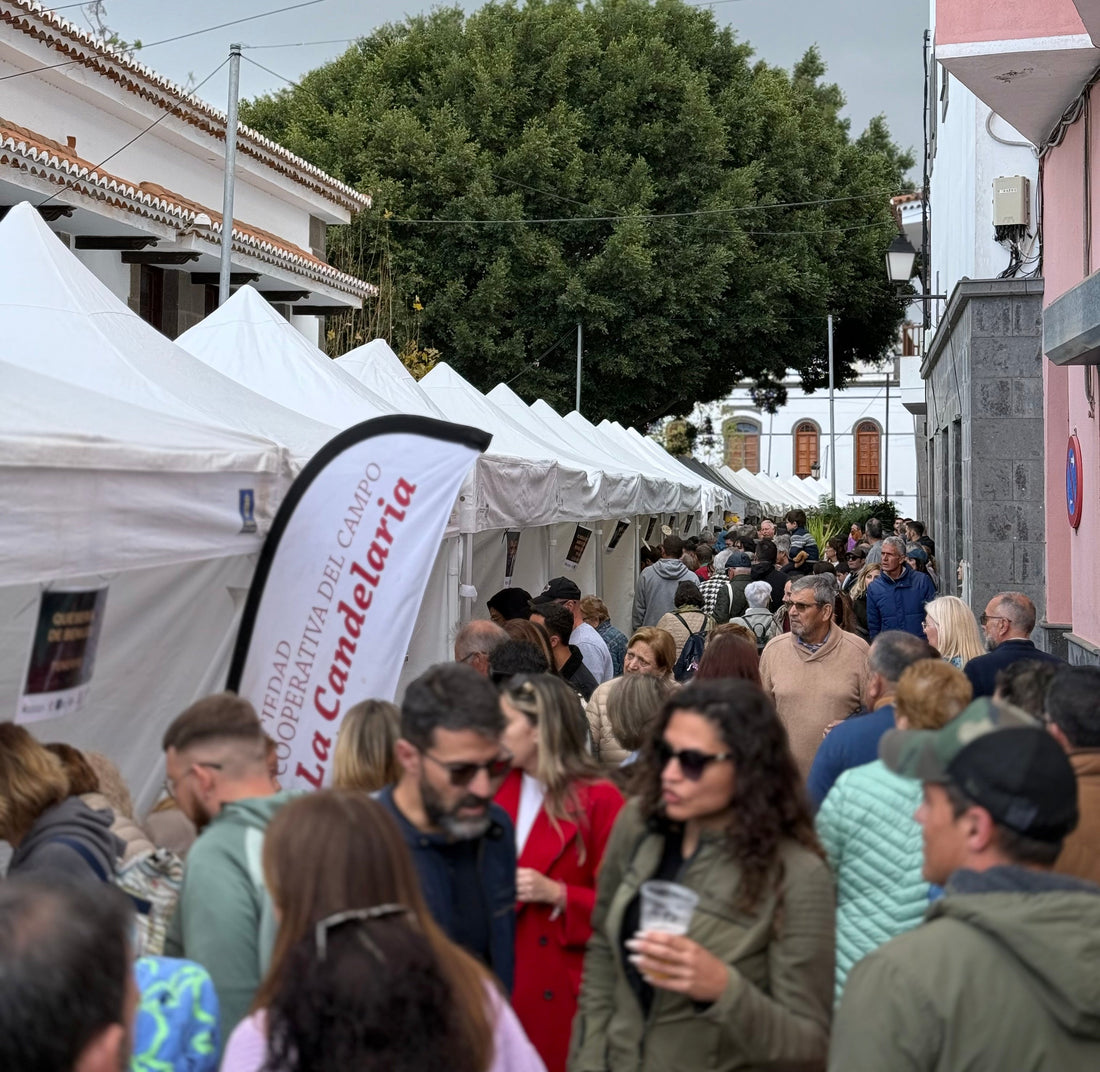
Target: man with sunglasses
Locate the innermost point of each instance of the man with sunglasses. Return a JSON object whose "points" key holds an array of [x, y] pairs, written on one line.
{"points": [[462, 844], [1007, 622]]}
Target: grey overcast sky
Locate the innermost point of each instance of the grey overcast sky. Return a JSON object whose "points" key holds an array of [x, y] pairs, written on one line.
{"points": [[873, 48]]}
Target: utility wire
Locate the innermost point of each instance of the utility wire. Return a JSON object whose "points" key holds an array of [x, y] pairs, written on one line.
{"points": [[289, 81], [169, 40], [308, 44], [141, 133]]}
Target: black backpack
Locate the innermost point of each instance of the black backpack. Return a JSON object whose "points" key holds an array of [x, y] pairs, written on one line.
{"points": [[692, 651]]}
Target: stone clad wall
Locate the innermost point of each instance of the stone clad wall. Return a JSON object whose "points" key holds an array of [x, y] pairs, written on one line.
{"points": [[984, 389]]}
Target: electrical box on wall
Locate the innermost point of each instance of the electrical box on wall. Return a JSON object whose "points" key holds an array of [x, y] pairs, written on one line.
{"points": [[1011, 201]]}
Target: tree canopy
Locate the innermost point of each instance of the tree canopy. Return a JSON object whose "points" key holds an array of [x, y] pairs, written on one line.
{"points": [[617, 162]]}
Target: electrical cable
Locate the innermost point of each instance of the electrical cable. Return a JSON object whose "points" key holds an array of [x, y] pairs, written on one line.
{"points": [[164, 115], [177, 37], [308, 44]]}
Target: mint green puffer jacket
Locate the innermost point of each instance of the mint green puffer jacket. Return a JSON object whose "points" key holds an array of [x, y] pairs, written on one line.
{"points": [[873, 842]]}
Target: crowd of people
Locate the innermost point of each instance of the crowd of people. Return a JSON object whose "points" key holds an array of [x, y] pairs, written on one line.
{"points": [[882, 814]]}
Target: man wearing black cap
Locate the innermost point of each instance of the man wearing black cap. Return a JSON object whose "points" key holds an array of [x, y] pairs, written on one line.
{"points": [[857, 556], [1002, 973], [593, 647]]}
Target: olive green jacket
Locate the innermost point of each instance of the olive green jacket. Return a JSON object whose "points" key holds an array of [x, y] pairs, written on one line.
{"points": [[1003, 976], [774, 1012]]}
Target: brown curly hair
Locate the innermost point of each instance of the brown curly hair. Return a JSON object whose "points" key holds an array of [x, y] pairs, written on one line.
{"points": [[769, 800]]}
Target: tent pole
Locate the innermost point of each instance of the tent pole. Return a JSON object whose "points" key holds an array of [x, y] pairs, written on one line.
{"points": [[467, 605], [598, 533], [230, 168]]}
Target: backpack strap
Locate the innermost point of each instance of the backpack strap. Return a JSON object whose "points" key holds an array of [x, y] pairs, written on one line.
{"points": [[85, 853], [692, 632]]}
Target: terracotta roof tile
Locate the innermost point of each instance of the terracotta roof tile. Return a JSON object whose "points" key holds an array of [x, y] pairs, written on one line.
{"points": [[78, 46], [50, 160]]}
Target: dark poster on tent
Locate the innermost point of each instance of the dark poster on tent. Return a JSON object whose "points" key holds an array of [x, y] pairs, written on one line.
{"points": [[576, 548], [649, 529], [687, 524], [62, 658], [617, 535], [512, 539], [671, 524]]}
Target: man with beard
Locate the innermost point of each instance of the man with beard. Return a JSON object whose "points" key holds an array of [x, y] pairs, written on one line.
{"points": [[216, 760], [462, 844]]}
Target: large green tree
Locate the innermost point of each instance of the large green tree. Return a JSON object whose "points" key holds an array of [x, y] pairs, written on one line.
{"points": [[617, 162]]}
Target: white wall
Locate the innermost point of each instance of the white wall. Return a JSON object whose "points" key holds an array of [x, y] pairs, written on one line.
{"points": [[968, 157], [864, 400]]}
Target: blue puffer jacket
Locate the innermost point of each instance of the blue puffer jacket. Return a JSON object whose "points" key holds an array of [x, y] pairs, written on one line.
{"points": [[873, 842], [899, 604]]}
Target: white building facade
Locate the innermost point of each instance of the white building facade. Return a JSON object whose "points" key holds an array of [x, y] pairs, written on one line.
{"points": [[870, 429], [128, 168]]}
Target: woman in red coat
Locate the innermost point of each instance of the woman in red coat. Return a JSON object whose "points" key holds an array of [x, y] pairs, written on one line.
{"points": [[563, 813]]}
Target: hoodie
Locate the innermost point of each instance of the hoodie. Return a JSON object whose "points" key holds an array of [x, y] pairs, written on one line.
{"points": [[1003, 974], [44, 847], [654, 596], [224, 920]]}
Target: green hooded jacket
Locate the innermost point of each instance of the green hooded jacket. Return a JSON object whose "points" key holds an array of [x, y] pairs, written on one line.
{"points": [[1003, 976], [224, 920]]}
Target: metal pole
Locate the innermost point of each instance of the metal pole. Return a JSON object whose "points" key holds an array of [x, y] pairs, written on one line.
{"points": [[832, 422], [580, 358], [886, 452], [230, 167]]}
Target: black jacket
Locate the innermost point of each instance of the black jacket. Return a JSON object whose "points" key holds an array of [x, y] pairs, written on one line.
{"points": [[765, 571], [982, 671], [577, 675], [497, 867]]}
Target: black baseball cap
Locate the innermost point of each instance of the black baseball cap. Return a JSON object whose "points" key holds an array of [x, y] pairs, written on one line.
{"points": [[1001, 759], [558, 588], [857, 552]]}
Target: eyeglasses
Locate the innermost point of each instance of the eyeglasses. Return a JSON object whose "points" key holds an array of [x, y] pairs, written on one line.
{"points": [[170, 786], [462, 774], [692, 762], [800, 607], [992, 618]]}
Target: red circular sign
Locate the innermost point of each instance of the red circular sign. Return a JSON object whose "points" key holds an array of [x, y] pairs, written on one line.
{"points": [[1074, 481]]}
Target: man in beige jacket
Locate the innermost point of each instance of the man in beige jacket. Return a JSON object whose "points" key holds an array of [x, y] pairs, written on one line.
{"points": [[816, 674]]}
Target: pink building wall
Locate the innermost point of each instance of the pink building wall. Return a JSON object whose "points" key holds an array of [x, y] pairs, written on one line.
{"points": [[967, 21], [1072, 557]]}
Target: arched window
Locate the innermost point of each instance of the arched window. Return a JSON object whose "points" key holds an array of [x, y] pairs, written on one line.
{"points": [[806, 439], [742, 437], [867, 458]]}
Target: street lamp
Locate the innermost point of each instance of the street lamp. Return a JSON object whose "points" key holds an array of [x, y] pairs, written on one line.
{"points": [[900, 258], [815, 470]]}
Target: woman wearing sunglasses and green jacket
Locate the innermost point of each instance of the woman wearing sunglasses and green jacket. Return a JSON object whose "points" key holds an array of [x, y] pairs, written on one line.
{"points": [[721, 810]]}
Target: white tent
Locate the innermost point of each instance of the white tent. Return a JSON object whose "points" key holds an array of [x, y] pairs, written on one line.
{"points": [[378, 368], [248, 341], [125, 463], [60, 320]]}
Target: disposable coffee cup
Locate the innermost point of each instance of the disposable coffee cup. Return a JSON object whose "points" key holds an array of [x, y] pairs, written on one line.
{"points": [[666, 907]]}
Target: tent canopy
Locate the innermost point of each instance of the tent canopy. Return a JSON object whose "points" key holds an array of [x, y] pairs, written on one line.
{"points": [[58, 319], [248, 341], [378, 368]]}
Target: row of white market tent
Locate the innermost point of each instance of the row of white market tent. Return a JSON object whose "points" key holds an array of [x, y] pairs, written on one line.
{"points": [[125, 456]]}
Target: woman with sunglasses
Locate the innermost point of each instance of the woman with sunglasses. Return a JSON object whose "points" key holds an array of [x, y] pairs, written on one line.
{"points": [[563, 813], [722, 812], [361, 976]]}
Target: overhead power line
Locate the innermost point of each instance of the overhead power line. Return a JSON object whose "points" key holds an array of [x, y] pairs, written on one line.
{"points": [[141, 133], [177, 37]]}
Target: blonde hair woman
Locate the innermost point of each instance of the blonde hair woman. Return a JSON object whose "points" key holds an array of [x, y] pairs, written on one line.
{"points": [[651, 651], [951, 628], [364, 747], [563, 812], [858, 592]]}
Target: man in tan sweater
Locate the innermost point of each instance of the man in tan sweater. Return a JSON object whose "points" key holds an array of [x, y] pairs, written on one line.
{"points": [[816, 674]]}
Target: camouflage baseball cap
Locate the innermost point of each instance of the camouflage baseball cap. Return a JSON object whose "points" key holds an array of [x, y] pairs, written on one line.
{"points": [[927, 754]]}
